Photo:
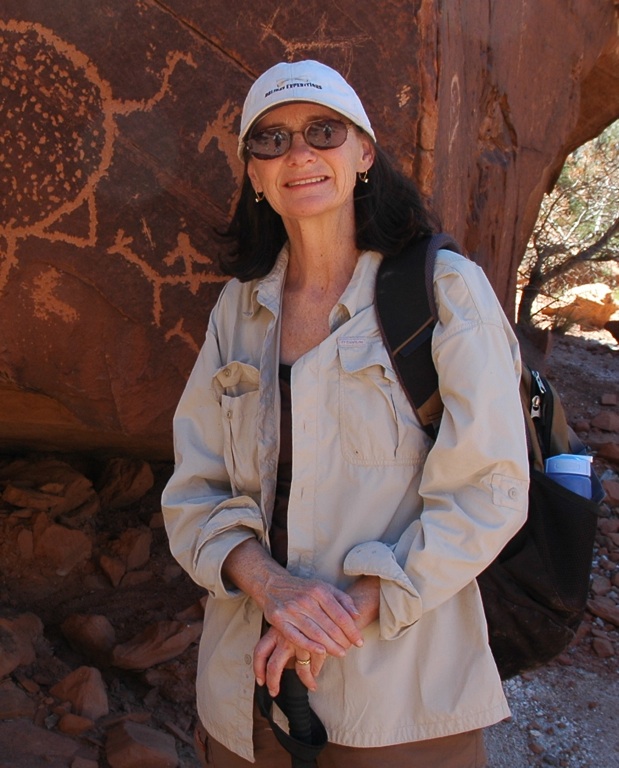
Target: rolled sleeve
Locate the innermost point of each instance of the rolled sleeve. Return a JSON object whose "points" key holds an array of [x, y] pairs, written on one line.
{"points": [[400, 603], [231, 526]]}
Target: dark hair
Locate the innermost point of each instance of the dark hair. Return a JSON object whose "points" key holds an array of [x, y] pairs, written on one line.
{"points": [[389, 214]]}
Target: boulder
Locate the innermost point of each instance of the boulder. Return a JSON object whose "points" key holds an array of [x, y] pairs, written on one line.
{"points": [[136, 578], [605, 608], [74, 725], [85, 690], [606, 450], [25, 745], [133, 547], [90, 634], [113, 567], [62, 549], [132, 745], [124, 482], [607, 421], [611, 487], [18, 638], [590, 306], [120, 148], [160, 642], [48, 485], [14, 702], [603, 647]]}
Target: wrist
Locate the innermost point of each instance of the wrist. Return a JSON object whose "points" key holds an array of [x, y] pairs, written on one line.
{"points": [[252, 570], [366, 594]]}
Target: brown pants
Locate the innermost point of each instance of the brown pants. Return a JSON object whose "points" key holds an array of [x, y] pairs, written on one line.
{"points": [[464, 750]]}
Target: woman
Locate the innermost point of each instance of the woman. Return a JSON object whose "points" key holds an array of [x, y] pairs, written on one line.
{"points": [[330, 535]]}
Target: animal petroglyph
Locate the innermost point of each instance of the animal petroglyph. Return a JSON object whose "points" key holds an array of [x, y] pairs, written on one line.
{"points": [[191, 278], [46, 303], [320, 40], [221, 130], [58, 129]]}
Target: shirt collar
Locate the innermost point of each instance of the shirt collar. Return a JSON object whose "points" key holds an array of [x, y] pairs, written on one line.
{"points": [[358, 294], [267, 291]]}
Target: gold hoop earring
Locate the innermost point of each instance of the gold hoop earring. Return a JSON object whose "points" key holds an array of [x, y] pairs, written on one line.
{"points": [[363, 176], [259, 196]]}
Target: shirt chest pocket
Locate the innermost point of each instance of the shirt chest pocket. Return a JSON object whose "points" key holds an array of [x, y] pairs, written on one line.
{"points": [[236, 387], [377, 424]]}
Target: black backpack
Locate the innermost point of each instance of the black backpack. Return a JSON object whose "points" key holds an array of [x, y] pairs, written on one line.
{"points": [[535, 592]]}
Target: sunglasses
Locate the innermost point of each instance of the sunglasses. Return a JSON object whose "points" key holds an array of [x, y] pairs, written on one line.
{"points": [[328, 133]]}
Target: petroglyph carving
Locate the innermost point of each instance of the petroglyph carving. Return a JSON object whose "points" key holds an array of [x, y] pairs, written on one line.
{"points": [[184, 253], [222, 131], [454, 112], [320, 40], [58, 128], [46, 303]]}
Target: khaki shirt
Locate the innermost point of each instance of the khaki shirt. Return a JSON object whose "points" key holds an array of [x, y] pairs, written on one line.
{"points": [[369, 495]]}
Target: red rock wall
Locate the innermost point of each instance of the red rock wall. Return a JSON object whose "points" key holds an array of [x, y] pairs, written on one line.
{"points": [[117, 159]]}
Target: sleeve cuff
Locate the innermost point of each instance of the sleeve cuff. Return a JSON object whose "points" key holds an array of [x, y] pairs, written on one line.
{"points": [[234, 526], [400, 603]]}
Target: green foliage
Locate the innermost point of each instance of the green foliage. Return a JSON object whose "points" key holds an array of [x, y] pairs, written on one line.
{"points": [[576, 238]]}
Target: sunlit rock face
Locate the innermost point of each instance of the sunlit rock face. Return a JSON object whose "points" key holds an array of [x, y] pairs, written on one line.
{"points": [[118, 162]]}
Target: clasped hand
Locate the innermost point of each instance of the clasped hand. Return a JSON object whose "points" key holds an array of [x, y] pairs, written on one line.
{"points": [[309, 619]]}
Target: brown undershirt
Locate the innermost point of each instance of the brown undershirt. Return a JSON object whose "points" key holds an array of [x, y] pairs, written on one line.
{"points": [[279, 524]]}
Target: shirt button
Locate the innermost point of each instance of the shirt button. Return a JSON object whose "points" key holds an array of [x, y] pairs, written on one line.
{"points": [[512, 493], [227, 372], [247, 659], [228, 414]]}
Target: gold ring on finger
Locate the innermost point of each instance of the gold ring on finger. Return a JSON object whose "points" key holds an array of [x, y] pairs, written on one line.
{"points": [[303, 662]]}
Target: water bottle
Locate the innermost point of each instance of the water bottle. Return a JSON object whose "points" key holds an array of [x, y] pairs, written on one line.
{"points": [[571, 470]]}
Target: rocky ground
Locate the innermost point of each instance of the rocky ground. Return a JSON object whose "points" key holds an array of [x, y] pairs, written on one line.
{"points": [[99, 627], [567, 714]]}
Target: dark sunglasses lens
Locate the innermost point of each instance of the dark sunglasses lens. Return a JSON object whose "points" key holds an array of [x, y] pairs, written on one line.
{"points": [[268, 144], [326, 134], [275, 142]]}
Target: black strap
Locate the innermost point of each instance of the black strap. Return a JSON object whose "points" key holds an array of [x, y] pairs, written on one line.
{"points": [[407, 315], [307, 735]]}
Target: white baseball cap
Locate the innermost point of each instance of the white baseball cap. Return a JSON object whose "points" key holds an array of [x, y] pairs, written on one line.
{"points": [[308, 81]]}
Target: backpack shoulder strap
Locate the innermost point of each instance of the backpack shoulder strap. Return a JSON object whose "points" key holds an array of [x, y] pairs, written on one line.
{"points": [[407, 315]]}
